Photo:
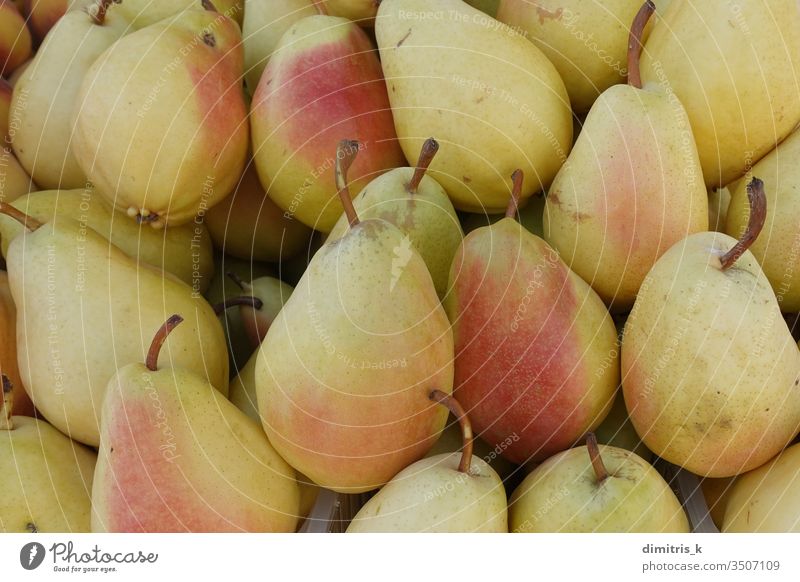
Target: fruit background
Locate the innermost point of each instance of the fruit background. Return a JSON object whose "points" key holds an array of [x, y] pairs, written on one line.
{"points": [[399, 266]]}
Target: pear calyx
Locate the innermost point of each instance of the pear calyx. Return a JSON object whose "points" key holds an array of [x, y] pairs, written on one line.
{"points": [[758, 215], [28, 222], [244, 300], [466, 427], [158, 340], [7, 405], [516, 191], [635, 42], [346, 154], [100, 8], [600, 470], [426, 155]]}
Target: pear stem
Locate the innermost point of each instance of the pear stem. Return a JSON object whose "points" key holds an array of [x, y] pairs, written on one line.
{"points": [[99, 14], [25, 220], [635, 43], [209, 5], [321, 8], [245, 300], [466, 427], [158, 340], [7, 405], [758, 215], [426, 155], [600, 470], [241, 283], [346, 153], [516, 192]]}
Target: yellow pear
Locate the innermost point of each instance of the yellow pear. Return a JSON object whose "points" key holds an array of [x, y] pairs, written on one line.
{"points": [[492, 99], [14, 180]]}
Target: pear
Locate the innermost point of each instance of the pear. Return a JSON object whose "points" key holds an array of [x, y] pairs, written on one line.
{"points": [[777, 249], [447, 493], [481, 88], [530, 217], [42, 15], [272, 294], [596, 489], [14, 180], [184, 251], [710, 370], [45, 477], [361, 11], [631, 188], [161, 122], [419, 207], [586, 41], [264, 25], [323, 81], [617, 430], [71, 337], [250, 226], [8, 348], [739, 112], [15, 38], [344, 373], [765, 499], [47, 92], [15, 76], [143, 13], [536, 352], [176, 456]]}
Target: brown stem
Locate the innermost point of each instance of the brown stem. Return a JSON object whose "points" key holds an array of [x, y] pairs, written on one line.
{"points": [[99, 14], [209, 5], [426, 155], [635, 43], [245, 300], [158, 340], [321, 8], [241, 283], [466, 428], [758, 215], [346, 153], [516, 192], [594, 454], [25, 220], [7, 405]]}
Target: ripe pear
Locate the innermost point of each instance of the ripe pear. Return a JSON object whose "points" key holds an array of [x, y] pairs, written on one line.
{"points": [[766, 499], [344, 373], [45, 477], [184, 251], [250, 226], [596, 489], [8, 348], [47, 93], [143, 13], [14, 180], [447, 493], [480, 88], [324, 81], [710, 370], [176, 456], [71, 338], [586, 41], [741, 111], [161, 122], [777, 248], [631, 188], [42, 15], [15, 38], [419, 207], [536, 352], [272, 294], [264, 25]]}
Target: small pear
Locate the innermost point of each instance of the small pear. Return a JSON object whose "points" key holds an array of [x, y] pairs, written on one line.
{"points": [[160, 122], [272, 294], [419, 207], [631, 187], [83, 308], [596, 489], [176, 456], [536, 350], [710, 370], [447, 493], [344, 373], [46, 478]]}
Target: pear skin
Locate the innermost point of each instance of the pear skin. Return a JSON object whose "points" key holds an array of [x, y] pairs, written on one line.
{"points": [[71, 341], [272, 294], [710, 370], [143, 13], [15, 38], [323, 82], [360, 11], [184, 251], [740, 112], [160, 123], [14, 180], [42, 15], [495, 109]]}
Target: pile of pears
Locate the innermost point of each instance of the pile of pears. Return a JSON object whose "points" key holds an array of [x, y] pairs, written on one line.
{"points": [[474, 266]]}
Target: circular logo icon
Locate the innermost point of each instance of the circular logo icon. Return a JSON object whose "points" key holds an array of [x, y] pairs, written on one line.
{"points": [[31, 555]]}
